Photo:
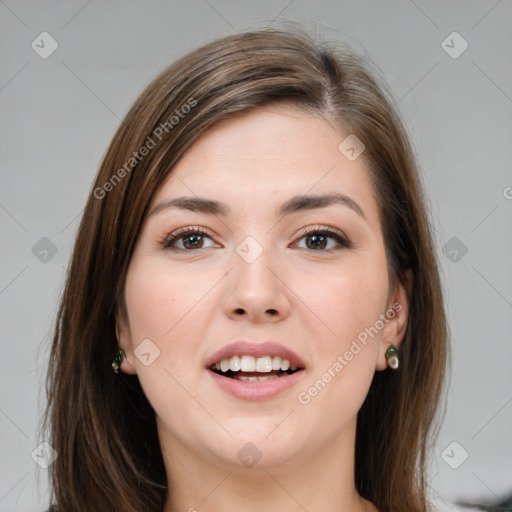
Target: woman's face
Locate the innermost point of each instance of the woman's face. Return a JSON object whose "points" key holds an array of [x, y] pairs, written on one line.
{"points": [[238, 246]]}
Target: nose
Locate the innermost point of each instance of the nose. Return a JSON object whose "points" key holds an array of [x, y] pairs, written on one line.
{"points": [[256, 292]]}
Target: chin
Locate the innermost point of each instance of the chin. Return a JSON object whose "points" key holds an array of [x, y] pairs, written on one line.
{"points": [[252, 449]]}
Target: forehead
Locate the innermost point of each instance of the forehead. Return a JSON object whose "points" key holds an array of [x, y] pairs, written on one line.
{"points": [[267, 155]]}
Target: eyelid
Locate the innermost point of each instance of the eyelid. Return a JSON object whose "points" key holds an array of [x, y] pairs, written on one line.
{"points": [[319, 227], [188, 229]]}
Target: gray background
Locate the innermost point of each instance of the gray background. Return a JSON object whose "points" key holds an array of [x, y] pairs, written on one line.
{"points": [[59, 114]]}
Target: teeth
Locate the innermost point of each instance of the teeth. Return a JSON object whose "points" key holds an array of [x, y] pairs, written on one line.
{"points": [[264, 364], [234, 364], [247, 364], [255, 379]]}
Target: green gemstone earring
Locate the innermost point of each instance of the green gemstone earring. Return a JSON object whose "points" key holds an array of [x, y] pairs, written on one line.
{"points": [[116, 363], [392, 357]]}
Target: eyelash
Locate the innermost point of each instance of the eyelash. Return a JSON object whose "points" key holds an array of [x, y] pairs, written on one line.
{"points": [[169, 241]]}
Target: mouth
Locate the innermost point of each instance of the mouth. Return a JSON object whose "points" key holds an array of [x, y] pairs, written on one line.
{"points": [[248, 368], [255, 371]]}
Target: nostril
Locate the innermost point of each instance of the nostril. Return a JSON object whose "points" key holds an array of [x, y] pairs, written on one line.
{"points": [[239, 311], [272, 311]]}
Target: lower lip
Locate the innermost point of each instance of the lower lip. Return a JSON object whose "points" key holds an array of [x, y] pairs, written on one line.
{"points": [[258, 390]]}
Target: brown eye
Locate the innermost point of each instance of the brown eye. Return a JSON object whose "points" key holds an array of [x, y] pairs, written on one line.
{"points": [[317, 241], [324, 240], [187, 239]]}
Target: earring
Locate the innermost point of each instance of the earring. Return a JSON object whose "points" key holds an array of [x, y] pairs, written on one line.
{"points": [[116, 363], [392, 357]]}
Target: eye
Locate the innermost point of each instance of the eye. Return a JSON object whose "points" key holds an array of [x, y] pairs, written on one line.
{"points": [[317, 239], [324, 239], [187, 239]]}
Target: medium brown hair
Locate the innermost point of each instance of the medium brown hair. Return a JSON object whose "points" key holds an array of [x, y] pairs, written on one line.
{"points": [[101, 424]]}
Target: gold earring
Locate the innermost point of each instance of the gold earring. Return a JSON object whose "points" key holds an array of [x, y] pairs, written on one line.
{"points": [[392, 357]]}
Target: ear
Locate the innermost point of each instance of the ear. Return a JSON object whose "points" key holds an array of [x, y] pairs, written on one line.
{"points": [[397, 313], [124, 340]]}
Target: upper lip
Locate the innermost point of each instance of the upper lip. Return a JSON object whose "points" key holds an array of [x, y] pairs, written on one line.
{"points": [[255, 349]]}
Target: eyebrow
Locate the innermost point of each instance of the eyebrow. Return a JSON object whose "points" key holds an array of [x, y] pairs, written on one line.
{"points": [[293, 205]]}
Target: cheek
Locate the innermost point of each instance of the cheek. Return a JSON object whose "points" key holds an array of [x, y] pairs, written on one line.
{"points": [[345, 356], [162, 307], [159, 300], [347, 300]]}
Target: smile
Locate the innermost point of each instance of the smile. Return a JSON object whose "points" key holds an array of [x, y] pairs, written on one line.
{"points": [[254, 369]]}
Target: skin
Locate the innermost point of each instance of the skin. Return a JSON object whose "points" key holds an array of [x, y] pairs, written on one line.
{"points": [[191, 302]]}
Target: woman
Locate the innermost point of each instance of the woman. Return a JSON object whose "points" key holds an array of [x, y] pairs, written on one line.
{"points": [[256, 265]]}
